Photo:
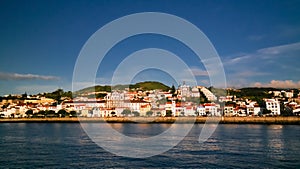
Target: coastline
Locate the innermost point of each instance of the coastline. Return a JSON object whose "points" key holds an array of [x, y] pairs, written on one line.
{"points": [[222, 120]]}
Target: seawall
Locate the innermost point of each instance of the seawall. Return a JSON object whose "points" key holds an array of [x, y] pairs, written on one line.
{"points": [[222, 120]]}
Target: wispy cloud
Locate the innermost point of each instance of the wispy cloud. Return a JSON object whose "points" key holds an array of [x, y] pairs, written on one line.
{"points": [[279, 49], [256, 37], [278, 84], [249, 73], [17, 76], [266, 53], [33, 89], [264, 65], [198, 72]]}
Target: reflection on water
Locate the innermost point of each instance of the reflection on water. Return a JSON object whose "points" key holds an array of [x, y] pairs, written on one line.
{"points": [[142, 130], [59, 145], [275, 142]]}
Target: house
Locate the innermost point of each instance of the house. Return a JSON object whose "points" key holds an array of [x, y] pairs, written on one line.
{"points": [[144, 108], [201, 110], [240, 111], [109, 112], [296, 111], [253, 110], [228, 110], [138, 105], [189, 111], [115, 99], [211, 109]]}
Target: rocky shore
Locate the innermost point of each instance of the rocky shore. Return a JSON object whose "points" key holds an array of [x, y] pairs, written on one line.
{"points": [[222, 120]]}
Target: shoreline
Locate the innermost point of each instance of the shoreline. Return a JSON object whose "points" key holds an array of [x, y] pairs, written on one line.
{"points": [[222, 120]]}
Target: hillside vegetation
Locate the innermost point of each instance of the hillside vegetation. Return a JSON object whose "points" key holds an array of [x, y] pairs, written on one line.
{"points": [[148, 85]]}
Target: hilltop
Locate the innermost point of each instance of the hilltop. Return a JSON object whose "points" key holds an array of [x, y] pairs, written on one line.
{"points": [[148, 85]]}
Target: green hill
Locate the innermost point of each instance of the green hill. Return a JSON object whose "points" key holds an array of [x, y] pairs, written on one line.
{"points": [[148, 85]]}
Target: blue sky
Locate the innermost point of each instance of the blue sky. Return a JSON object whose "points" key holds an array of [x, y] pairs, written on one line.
{"points": [[257, 41]]}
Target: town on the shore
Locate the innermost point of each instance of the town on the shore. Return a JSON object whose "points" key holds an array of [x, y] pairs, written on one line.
{"points": [[171, 102]]}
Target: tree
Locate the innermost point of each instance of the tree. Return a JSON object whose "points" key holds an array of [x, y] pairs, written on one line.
{"points": [[168, 113], [149, 113], [41, 113], [113, 114], [50, 113], [29, 113], [24, 96], [73, 113], [62, 113], [58, 94], [173, 90], [136, 113], [266, 111], [126, 112], [67, 94], [162, 101], [287, 111]]}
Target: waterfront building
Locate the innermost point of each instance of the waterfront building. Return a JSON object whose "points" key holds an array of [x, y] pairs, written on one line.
{"points": [[211, 109], [253, 110], [201, 110], [115, 99], [140, 106], [273, 105], [228, 110]]}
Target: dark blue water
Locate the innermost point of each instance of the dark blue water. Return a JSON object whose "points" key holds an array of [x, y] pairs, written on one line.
{"points": [[65, 145]]}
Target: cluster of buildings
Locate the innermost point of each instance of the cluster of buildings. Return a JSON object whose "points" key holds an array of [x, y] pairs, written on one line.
{"points": [[185, 101], [16, 106]]}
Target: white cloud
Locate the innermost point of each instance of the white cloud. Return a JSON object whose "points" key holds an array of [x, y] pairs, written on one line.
{"points": [[279, 49], [267, 64], [198, 72], [17, 76], [249, 73], [205, 82], [33, 89], [265, 54], [279, 84]]}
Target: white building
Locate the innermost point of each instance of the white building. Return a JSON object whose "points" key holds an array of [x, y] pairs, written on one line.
{"points": [[253, 110], [138, 105], [195, 92], [273, 105], [211, 109], [115, 99], [229, 110], [184, 90], [289, 94], [201, 110], [282, 93], [189, 111]]}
